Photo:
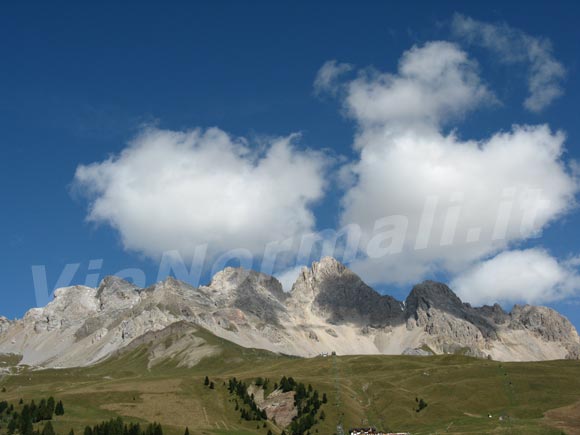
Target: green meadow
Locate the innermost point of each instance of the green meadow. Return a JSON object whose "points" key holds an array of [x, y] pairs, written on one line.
{"points": [[463, 395]]}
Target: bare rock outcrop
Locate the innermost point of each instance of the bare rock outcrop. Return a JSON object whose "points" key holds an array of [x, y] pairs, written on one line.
{"points": [[4, 324], [542, 321], [279, 405]]}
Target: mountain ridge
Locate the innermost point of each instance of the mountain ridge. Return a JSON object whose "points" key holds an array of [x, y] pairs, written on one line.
{"points": [[329, 309]]}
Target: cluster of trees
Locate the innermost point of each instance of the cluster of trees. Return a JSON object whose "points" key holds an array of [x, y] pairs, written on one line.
{"points": [[21, 420], [48, 430], [116, 426], [307, 402], [286, 384], [208, 383], [249, 410], [262, 382], [6, 407]]}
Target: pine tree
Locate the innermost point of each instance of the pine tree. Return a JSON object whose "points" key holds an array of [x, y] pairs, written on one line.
{"points": [[88, 431], [324, 398], [72, 432], [48, 429], [59, 409], [26, 421], [33, 412], [322, 415], [186, 431], [50, 408], [211, 385], [11, 426], [206, 381]]}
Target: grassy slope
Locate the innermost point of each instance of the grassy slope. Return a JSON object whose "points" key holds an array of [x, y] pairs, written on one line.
{"points": [[377, 390]]}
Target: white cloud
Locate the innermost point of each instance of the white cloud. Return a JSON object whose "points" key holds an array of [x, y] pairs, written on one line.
{"points": [[530, 275], [328, 75], [448, 202], [172, 190], [435, 83], [514, 46]]}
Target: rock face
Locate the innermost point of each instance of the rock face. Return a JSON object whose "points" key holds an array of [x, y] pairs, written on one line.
{"points": [[339, 295], [329, 309], [279, 405], [4, 324]]}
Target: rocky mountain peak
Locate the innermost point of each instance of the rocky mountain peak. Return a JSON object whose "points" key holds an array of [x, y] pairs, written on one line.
{"points": [[494, 312], [251, 292], [311, 280], [327, 267], [332, 289], [432, 294], [329, 308], [172, 282], [110, 284], [115, 293], [543, 321], [432, 304], [237, 280]]}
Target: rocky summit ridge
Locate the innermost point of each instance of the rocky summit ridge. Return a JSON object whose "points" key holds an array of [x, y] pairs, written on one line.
{"points": [[329, 309]]}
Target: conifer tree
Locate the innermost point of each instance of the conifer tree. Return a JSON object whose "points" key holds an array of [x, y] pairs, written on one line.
{"points": [[48, 429], [12, 426], [50, 404], [59, 409], [26, 421], [186, 431]]}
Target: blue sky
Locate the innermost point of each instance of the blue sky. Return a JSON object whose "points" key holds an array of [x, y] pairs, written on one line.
{"points": [[78, 83]]}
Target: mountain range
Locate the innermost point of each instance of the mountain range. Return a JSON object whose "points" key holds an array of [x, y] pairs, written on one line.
{"points": [[329, 309]]}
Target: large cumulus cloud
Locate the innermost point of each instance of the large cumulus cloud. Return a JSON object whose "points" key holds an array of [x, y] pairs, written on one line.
{"points": [[428, 200], [176, 190]]}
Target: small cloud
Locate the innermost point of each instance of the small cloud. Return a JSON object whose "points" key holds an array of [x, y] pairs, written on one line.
{"points": [[435, 82], [515, 46], [531, 276], [327, 77]]}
